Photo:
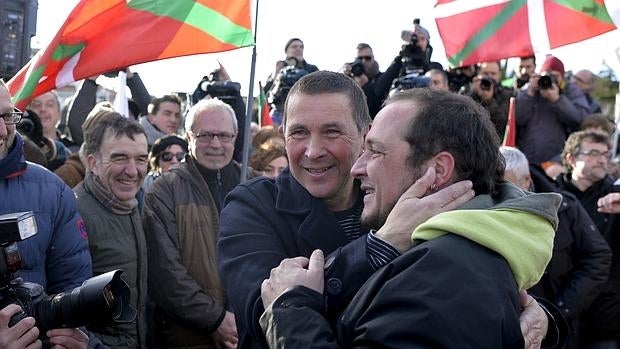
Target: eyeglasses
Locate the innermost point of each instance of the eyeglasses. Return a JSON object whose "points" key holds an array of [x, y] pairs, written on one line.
{"points": [[12, 117], [167, 156], [207, 137], [595, 154], [366, 58]]}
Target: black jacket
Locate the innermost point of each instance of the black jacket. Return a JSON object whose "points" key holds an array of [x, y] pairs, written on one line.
{"points": [[602, 319], [581, 257], [393, 309], [265, 221]]}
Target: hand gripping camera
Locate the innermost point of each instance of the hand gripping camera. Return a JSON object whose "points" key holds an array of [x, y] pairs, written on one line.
{"points": [[102, 300]]}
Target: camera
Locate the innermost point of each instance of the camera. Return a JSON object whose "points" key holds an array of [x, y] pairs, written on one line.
{"points": [[357, 68], [545, 82], [212, 86], [486, 83], [286, 78], [102, 300]]}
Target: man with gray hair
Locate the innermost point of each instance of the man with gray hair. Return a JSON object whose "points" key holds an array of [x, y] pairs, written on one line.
{"points": [[181, 222], [581, 257]]}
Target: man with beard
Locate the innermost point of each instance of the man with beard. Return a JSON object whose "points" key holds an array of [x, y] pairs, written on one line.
{"points": [[315, 203], [457, 284], [585, 158]]}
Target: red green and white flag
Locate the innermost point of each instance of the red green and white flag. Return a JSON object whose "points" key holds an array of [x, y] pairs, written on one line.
{"points": [[105, 35], [264, 118], [490, 30]]}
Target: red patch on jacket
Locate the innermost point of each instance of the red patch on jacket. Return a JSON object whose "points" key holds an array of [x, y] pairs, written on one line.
{"points": [[82, 229]]}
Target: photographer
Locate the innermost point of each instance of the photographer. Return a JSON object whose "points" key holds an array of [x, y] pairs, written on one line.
{"points": [[294, 50], [285, 79], [547, 111], [486, 89], [375, 84], [57, 258], [218, 85]]}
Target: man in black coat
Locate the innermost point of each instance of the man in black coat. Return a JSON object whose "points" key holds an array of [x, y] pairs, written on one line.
{"points": [[585, 158], [456, 284], [581, 257]]}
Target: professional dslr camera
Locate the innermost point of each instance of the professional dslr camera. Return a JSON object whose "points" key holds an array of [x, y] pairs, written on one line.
{"points": [[212, 85], [486, 83], [356, 68], [286, 78], [101, 300], [545, 82], [414, 63]]}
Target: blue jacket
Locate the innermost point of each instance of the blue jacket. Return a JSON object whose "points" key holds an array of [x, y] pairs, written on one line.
{"points": [[264, 221], [57, 257]]}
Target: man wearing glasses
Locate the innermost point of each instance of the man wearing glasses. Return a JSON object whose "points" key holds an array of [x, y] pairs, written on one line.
{"points": [[57, 257], [181, 222], [585, 157]]}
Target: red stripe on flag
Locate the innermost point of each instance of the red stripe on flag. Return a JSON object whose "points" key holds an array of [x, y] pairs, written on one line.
{"points": [[510, 40], [566, 26]]}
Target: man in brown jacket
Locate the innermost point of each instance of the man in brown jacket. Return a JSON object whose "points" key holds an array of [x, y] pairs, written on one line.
{"points": [[181, 221]]}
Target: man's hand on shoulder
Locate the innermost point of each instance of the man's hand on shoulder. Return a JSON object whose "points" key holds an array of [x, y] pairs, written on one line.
{"points": [[22, 335]]}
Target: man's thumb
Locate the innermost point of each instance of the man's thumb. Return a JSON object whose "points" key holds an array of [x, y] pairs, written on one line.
{"points": [[316, 261]]}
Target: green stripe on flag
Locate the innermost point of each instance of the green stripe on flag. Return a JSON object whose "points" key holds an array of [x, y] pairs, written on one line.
{"points": [[487, 31], [199, 16], [29, 85], [588, 7], [63, 51]]}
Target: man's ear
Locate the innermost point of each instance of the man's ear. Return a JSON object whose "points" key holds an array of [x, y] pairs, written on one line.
{"points": [[444, 168], [91, 161], [570, 159]]}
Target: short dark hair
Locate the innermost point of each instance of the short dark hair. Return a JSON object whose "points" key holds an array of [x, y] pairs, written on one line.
{"points": [[330, 82], [454, 123], [600, 121], [117, 125], [154, 107], [533, 58], [363, 45], [573, 144]]}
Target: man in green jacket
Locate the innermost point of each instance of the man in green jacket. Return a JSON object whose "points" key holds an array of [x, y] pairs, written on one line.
{"points": [[117, 162]]}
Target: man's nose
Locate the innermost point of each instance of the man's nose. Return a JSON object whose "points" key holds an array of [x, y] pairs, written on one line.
{"points": [[359, 167], [314, 148]]}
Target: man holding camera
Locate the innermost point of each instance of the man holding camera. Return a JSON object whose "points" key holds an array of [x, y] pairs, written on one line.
{"points": [[57, 257], [375, 84], [547, 111], [487, 90]]}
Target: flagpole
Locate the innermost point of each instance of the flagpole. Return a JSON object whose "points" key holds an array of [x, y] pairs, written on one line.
{"points": [[248, 111]]}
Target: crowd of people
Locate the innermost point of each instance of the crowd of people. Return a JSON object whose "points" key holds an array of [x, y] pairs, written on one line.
{"points": [[379, 209]]}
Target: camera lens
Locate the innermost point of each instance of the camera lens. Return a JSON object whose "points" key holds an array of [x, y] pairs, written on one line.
{"points": [[486, 83], [545, 82]]}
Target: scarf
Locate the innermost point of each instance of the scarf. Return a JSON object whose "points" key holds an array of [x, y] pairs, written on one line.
{"points": [[14, 164], [95, 187]]}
